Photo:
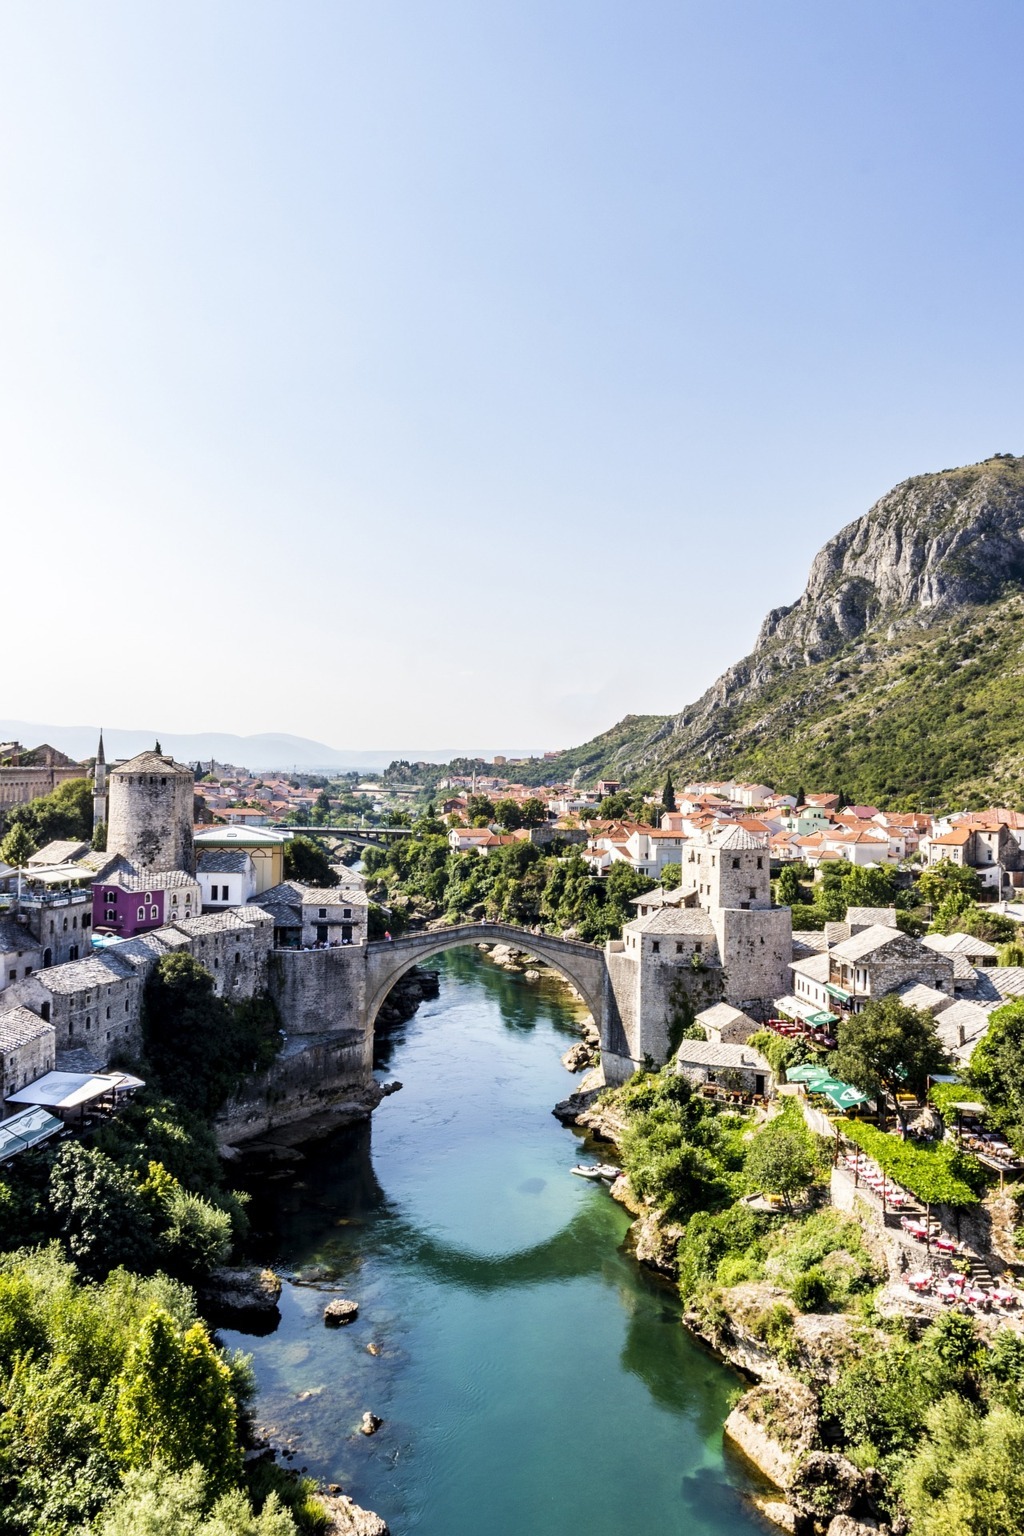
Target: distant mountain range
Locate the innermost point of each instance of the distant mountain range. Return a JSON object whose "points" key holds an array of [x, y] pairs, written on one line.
{"points": [[896, 679], [260, 753]]}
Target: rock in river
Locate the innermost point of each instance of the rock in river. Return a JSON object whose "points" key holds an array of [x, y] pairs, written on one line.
{"points": [[339, 1312], [347, 1519], [370, 1423]]}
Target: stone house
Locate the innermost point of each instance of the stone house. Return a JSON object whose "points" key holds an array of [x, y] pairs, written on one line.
{"points": [[988, 847], [737, 1067], [724, 1025], [227, 877], [879, 960], [20, 953], [334, 915], [27, 1049], [27, 773], [976, 952], [94, 1004]]}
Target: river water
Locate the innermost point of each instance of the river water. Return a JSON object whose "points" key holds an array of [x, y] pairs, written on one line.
{"points": [[530, 1377]]}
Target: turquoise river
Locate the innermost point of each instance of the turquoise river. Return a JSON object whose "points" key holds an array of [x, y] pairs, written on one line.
{"points": [[530, 1376]]}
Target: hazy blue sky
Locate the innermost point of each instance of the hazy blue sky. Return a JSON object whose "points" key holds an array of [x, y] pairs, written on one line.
{"points": [[418, 373]]}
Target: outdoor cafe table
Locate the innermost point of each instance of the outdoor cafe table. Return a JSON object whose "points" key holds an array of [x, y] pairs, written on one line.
{"points": [[946, 1245], [1004, 1297]]}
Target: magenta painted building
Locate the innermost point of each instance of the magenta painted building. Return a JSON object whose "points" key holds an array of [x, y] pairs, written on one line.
{"points": [[129, 904]]}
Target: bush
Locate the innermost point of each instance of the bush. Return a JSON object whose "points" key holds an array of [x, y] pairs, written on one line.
{"points": [[810, 1291]]}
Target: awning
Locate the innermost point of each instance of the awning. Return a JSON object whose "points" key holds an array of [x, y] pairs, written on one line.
{"points": [[26, 1129], [822, 1018], [70, 1090], [838, 993], [795, 1008]]}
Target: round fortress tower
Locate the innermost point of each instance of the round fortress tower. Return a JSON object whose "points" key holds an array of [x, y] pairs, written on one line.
{"points": [[150, 800]]}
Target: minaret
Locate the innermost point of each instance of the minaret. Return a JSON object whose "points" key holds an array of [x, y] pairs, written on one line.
{"points": [[99, 787]]}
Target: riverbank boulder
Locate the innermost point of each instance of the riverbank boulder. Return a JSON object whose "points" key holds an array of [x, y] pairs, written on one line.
{"points": [[347, 1519], [774, 1426], [339, 1312], [578, 1057], [370, 1423], [245, 1298]]}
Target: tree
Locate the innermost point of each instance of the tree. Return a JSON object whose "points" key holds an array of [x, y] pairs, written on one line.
{"points": [[887, 1048], [479, 810], [951, 913], [1011, 954], [534, 812], [997, 1068], [672, 877], [936, 882], [197, 1044], [967, 1479], [668, 794], [103, 1220], [305, 860], [99, 837], [508, 814], [156, 1502], [18, 846], [780, 1160], [174, 1403], [787, 886]]}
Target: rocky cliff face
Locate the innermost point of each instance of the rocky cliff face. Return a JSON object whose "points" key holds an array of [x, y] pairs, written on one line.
{"points": [[936, 555], [934, 544]]}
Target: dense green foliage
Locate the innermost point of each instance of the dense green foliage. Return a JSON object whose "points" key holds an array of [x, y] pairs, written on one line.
{"points": [[679, 1152], [937, 1173], [199, 1046], [66, 813], [518, 883], [306, 860], [781, 1158], [99, 1379], [997, 1070]]}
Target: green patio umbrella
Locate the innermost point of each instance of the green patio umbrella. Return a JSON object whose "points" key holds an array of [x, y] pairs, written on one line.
{"points": [[843, 1096], [805, 1072]]}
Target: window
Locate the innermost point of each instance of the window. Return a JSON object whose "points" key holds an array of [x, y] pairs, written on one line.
{"points": [[148, 897], [153, 912], [347, 912], [697, 948], [656, 946], [323, 912], [679, 949], [753, 891], [174, 899], [108, 1016], [141, 913], [12, 975], [87, 921], [74, 921], [735, 863], [111, 895], [110, 915], [65, 925], [760, 863]]}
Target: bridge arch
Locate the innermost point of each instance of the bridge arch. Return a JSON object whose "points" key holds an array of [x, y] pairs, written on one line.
{"points": [[581, 964]]}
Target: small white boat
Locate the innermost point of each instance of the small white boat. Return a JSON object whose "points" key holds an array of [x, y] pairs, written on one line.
{"points": [[588, 1171], [607, 1171]]}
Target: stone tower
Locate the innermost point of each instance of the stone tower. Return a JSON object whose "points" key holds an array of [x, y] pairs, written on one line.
{"points": [[150, 815], [99, 787]]}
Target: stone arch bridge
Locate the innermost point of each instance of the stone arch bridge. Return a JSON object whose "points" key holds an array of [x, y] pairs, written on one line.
{"points": [[581, 964]]}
